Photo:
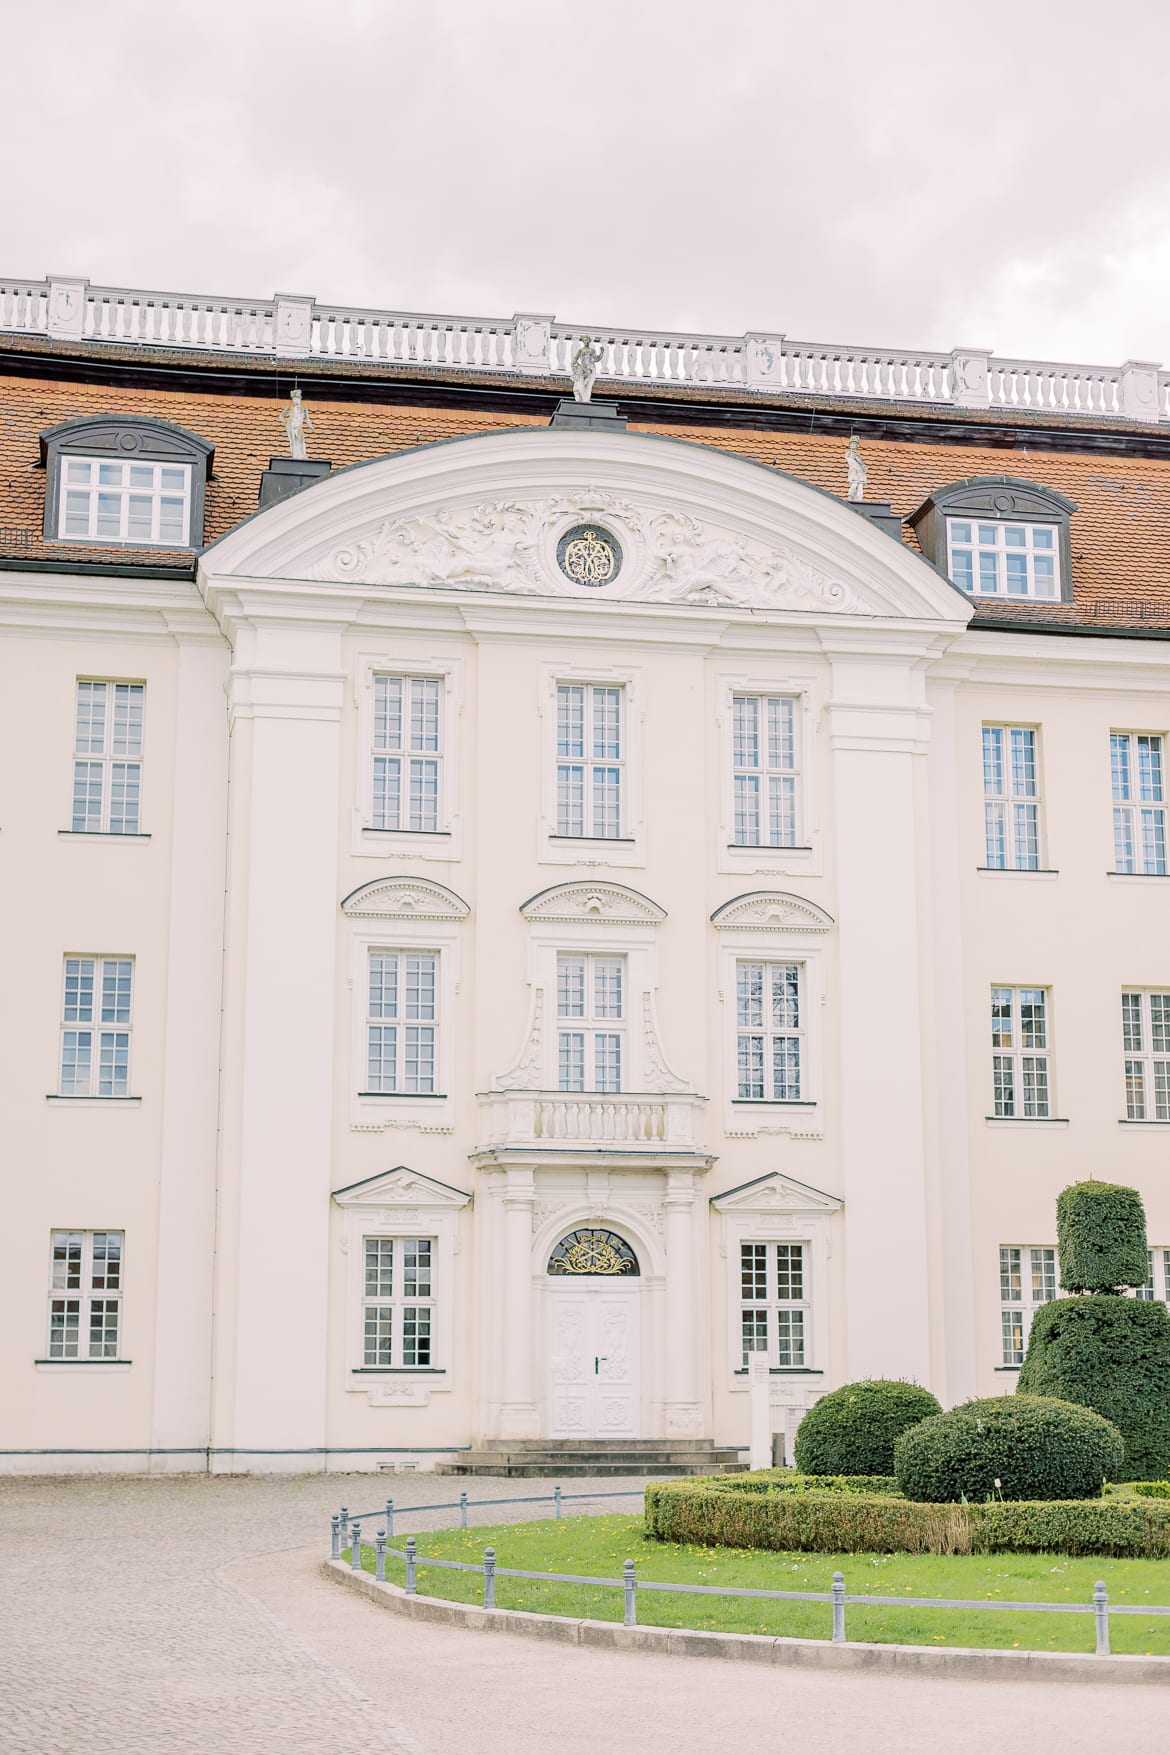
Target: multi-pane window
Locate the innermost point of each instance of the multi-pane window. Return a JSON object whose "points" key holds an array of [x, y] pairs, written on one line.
{"points": [[1027, 1279], [1157, 1286], [769, 1030], [1004, 560], [1011, 798], [591, 1013], [1139, 802], [85, 1294], [773, 1296], [107, 758], [95, 1027], [1145, 1037], [764, 770], [397, 1301], [137, 503], [407, 753], [402, 1023], [1019, 1061], [590, 761]]}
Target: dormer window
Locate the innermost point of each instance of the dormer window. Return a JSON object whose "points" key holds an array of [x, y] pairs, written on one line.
{"points": [[120, 481], [995, 537]]}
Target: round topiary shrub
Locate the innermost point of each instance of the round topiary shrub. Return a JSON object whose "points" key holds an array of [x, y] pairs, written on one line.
{"points": [[851, 1431], [1011, 1447]]}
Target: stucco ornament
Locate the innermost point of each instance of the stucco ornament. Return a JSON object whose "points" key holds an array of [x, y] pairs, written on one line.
{"points": [[511, 546], [858, 473], [296, 422], [584, 367]]}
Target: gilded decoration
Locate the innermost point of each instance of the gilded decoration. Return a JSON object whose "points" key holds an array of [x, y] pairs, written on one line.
{"points": [[593, 1252], [588, 555]]}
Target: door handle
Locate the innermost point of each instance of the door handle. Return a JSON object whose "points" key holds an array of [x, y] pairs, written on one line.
{"points": [[597, 1360]]}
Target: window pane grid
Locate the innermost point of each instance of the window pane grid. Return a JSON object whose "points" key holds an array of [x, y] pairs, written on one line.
{"points": [[402, 1023], [1145, 1035], [107, 771], [769, 1040], [1011, 804], [590, 761], [85, 1293], [134, 503], [407, 753], [1139, 802], [1020, 1060], [1027, 1279], [763, 740], [590, 996], [1004, 560], [95, 1062], [397, 1302], [773, 1303]]}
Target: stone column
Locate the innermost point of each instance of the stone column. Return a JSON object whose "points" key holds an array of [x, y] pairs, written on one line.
{"points": [[519, 1417], [879, 727], [685, 1417]]}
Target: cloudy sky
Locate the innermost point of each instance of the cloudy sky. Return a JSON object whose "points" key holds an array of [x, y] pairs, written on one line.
{"points": [[924, 173]]}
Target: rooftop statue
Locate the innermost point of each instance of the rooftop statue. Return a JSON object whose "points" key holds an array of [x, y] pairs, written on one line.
{"points": [[584, 367], [296, 423], [855, 463]]}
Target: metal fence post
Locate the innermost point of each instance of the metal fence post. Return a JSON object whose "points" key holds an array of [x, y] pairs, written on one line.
{"points": [[411, 1575], [557, 1501], [630, 1581], [838, 1608], [380, 1556], [463, 1509], [1101, 1617], [345, 1526], [335, 1537], [489, 1578], [390, 1518], [355, 1551]]}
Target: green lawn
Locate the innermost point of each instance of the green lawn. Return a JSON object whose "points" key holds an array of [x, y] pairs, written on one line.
{"points": [[597, 1546]]}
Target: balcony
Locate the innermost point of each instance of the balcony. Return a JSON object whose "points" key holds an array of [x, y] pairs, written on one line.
{"points": [[635, 1123]]}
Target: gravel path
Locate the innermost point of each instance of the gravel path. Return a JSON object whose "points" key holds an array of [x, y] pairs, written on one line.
{"points": [[192, 1617]]}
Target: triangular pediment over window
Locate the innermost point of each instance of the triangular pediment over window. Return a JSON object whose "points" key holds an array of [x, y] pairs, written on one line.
{"points": [[400, 1187], [775, 1193]]}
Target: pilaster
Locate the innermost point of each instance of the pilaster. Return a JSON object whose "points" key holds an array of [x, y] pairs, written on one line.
{"points": [[685, 1414], [519, 1415]]}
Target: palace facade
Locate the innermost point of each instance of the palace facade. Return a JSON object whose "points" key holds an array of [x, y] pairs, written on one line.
{"points": [[518, 910]]}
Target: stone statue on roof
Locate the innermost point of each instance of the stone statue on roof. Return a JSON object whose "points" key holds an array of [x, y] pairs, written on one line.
{"points": [[855, 463], [584, 367], [296, 423]]}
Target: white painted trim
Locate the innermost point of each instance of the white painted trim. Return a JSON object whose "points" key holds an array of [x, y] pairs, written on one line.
{"points": [[429, 1114], [776, 944], [630, 848], [778, 1210], [807, 857], [446, 843]]}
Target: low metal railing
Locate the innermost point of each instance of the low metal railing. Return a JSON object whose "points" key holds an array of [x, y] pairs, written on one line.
{"points": [[345, 1534]]}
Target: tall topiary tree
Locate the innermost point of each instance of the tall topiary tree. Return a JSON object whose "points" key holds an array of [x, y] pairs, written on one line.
{"points": [[1101, 1349]]}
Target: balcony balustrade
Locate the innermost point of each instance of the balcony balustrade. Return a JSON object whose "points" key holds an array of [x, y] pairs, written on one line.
{"points": [[628, 1121]]}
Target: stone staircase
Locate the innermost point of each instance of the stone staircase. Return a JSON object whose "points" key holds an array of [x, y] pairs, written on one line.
{"points": [[577, 1458]]}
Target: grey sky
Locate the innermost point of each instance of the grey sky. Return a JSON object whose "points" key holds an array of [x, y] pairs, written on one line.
{"points": [[908, 173]]}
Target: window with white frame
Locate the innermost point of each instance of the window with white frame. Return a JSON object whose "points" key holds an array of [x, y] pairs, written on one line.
{"points": [[397, 1302], [1004, 560], [1157, 1286], [407, 753], [774, 1302], [591, 1022], [590, 761], [1027, 1279], [140, 504], [769, 1029], [95, 1027], [1139, 802], [1011, 798], [402, 1023], [1145, 1036], [764, 770], [85, 1294], [107, 758], [1020, 1052]]}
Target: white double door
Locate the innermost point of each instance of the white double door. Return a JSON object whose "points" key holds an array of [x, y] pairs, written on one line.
{"points": [[594, 1357]]}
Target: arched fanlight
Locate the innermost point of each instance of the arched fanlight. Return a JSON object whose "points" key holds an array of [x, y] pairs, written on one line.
{"points": [[593, 1252]]}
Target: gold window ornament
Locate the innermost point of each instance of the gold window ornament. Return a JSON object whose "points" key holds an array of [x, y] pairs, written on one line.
{"points": [[593, 1252]]}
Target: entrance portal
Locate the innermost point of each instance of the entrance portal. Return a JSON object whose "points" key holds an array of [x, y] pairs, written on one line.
{"points": [[594, 1342]]}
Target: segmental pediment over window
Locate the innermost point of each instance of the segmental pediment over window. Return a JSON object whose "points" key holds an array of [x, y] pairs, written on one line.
{"points": [[603, 903], [771, 911], [404, 899]]}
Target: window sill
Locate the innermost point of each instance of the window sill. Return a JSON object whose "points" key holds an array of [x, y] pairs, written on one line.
{"points": [[783, 1371], [593, 840], [1015, 1368], [414, 834], [111, 1365], [754, 847], [1026, 1120], [1139, 877], [1018, 871], [397, 1371], [404, 1096], [97, 835], [772, 1103], [56, 1098], [1128, 1123]]}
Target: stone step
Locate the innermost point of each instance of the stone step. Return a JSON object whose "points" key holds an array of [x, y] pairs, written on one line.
{"points": [[621, 1446], [573, 1471]]}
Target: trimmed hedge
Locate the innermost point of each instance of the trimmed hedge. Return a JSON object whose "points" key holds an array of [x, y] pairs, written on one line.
{"points": [[851, 1523], [1111, 1354], [1101, 1237], [1151, 1489], [852, 1430], [789, 1481], [1011, 1447]]}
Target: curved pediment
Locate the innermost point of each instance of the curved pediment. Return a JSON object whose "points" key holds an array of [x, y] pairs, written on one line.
{"points": [[680, 523], [607, 904], [772, 911], [404, 899]]}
